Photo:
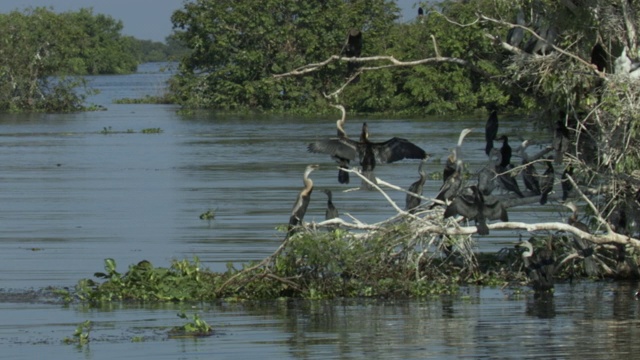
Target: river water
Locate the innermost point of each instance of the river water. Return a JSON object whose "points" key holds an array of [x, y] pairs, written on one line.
{"points": [[79, 188]]}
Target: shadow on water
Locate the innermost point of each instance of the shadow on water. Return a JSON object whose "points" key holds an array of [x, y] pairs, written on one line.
{"points": [[74, 194]]}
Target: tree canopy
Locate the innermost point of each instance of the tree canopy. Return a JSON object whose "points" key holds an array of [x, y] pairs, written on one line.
{"points": [[237, 47], [41, 49]]}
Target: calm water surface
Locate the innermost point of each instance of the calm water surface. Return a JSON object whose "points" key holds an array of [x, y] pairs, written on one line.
{"points": [[79, 188]]}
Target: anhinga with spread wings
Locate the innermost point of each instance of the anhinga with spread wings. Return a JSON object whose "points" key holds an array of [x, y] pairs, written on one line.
{"points": [[471, 204], [368, 152]]}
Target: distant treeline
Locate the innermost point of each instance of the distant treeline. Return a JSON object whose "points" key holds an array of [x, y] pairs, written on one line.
{"points": [[42, 53], [78, 42]]}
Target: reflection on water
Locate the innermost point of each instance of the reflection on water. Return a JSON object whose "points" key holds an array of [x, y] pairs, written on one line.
{"points": [[586, 320], [73, 195]]}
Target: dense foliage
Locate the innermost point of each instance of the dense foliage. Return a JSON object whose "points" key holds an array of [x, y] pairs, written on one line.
{"points": [[235, 49], [39, 44], [234, 57], [42, 52]]}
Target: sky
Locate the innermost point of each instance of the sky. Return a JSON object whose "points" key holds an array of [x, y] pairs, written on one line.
{"points": [[143, 19]]}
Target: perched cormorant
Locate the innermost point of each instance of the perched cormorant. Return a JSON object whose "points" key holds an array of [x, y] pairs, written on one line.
{"points": [[411, 201], [539, 267], [535, 45], [560, 141], [516, 34], [546, 182], [487, 176], [529, 173], [302, 202], [471, 204], [450, 188], [491, 130], [584, 248], [566, 184], [331, 212], [508, 181], [353, 48], [505, 151], [369, 152], [456, 153]]}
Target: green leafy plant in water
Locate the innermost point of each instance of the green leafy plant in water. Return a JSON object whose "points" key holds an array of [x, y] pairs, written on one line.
{"points": [[144, 282], [81, 335], [152, 131], [106, 130], [196, 327], [208, 215]]}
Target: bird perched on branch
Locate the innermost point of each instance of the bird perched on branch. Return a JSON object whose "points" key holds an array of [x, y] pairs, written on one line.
{"points": [[302, 201], [368, 152], [412, 201], [560, 141], [491, 130], [516, 34], [487, 176], [471, 204], [331, 212], [546, 182], [353, 48], [456, 153], [529, 173], [505, 151], [567, 186]]}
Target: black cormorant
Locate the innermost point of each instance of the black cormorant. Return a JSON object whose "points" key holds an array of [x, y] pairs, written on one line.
{"points": [[369, 152], [546, 182], [539, 266], [491, 130], [567, 186], [516, 34], [560, 141], [331, 212], [505, 151], [353, 48], [471, 204], [302, 202], [411, 201], [450, 188], [542, 46], [507, 181], [529, 173], [487, 176]]}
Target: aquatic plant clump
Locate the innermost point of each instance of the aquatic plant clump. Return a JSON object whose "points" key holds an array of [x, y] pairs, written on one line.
{"points": [[395, 261]]}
